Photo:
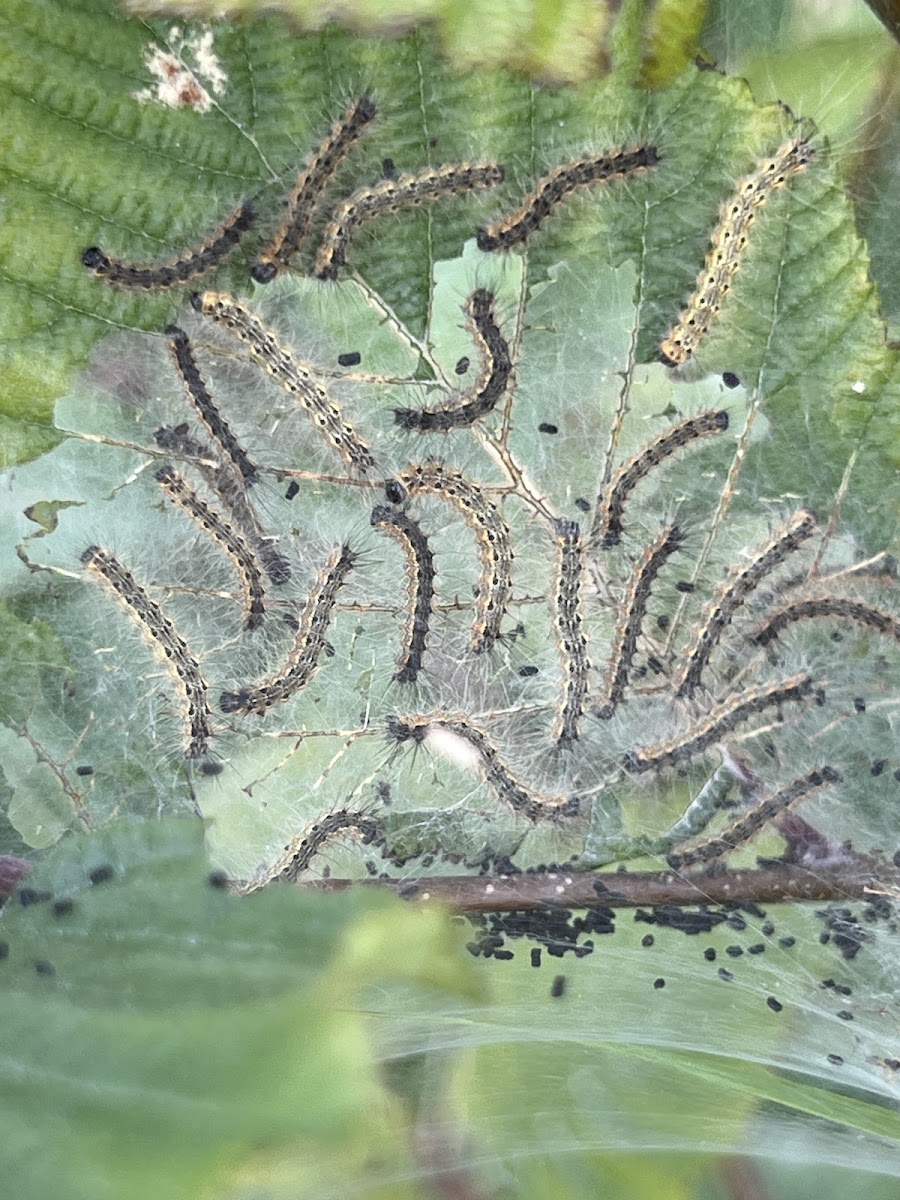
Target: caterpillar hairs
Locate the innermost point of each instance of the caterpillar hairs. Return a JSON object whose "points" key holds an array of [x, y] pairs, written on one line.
{"points": [[822, 607], [554, 187], [499, 778], [165, 640], [391, 196], [570, 634], [301, 850], [308, 188], [479, 400], [420, 576], [211, 253]]}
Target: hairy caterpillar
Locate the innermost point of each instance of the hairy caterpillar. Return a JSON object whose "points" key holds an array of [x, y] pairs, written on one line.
{"points": [[560, 182], [308, 188], [308, 646], [751, 822], [570, 632], [222, 479], [491, 534], [295, 377], [480, 399], [420, 577], [634, 609], [499, 778], [232, 543], [607, 527], [729, 241], [162, 635], [713, 727], [209, 254], [732, 594], [301, 850], [198, 394], [391, 196], [826, 606]]}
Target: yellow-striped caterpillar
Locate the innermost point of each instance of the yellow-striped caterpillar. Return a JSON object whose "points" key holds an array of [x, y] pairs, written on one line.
{"points": [[729, 242], [294, 376], [199, 396], [560, 182], [308, 188], [165, 640], [607, 528], [393, 195], [634, 609], [301, 850], [420, 577], [150, 276], [231, 542], [491, 534], [713, 727], [826, 606], [497, 775], [570, 632], [732, 594], [224, 481], [752, 821], [477, 401], [309, 644]]}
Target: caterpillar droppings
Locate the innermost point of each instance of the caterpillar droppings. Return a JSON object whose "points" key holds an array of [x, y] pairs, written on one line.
{"points": [[308, 188], [210, 254], [393, 195], [729, 242], [295, 377], [634, 609], [713, 727], [497, 775], [163, 637], [732, 594], [742, 830], [607, 528], [491, 534], [229, 540], [309, 644], [420, 580], [492, 383], [554, 187]]}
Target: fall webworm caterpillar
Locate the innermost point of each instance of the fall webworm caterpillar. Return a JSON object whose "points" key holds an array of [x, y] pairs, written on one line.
{"points": [[492, 383], [222, 479], [607, 527], [392, 195], [732, 594], [209, 254], [308, 188], [301, 850], [420, 579], [728, 244], [295, 377], [309, 643], [162, 635], [499, 778], [571, 639], [560, 182], [491, 534], [231, 542], [712, 727], [634, 609], [826, 606], [751, 822], [199, 396]]}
